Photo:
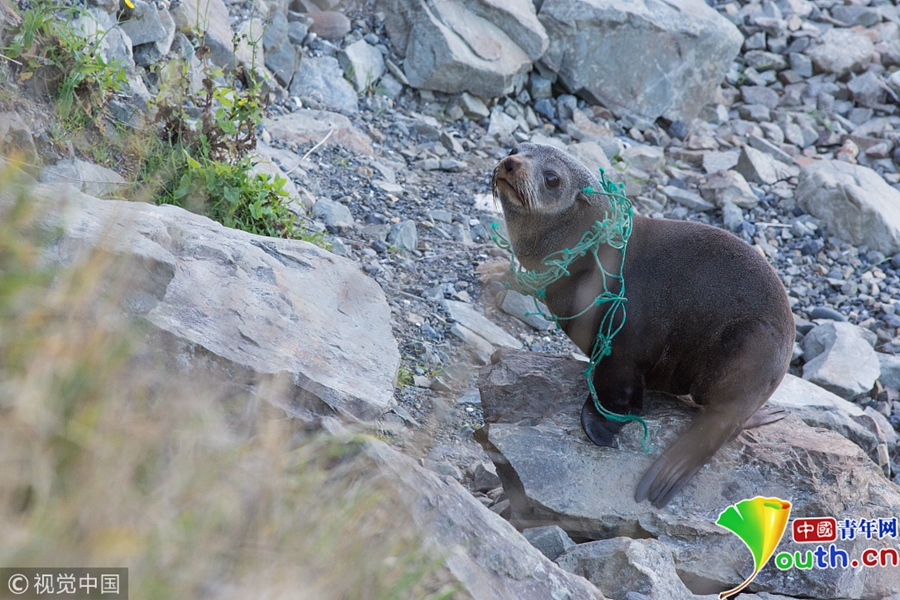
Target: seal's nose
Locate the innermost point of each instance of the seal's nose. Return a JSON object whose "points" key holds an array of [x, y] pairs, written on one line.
{"points": [[509, 164]]}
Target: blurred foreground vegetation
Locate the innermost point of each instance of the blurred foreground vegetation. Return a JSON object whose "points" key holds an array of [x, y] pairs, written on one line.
{"points": [[107, 460]]}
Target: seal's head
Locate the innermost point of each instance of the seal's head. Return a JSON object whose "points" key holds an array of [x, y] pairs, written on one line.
{"points": [[535, 178]]}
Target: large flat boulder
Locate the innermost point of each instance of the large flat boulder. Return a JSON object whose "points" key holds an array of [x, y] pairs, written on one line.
{"points": [[555, 476], [643, 58], [485, 47], [282, 319], [486, 555], [854, 202]]}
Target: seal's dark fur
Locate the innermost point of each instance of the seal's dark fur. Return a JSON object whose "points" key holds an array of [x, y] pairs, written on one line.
{"points": [[706, 313]]}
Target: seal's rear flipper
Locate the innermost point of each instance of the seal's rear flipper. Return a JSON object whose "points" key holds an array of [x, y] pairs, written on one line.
{"points": [[681, 461], [765, 415], [598, 428]]}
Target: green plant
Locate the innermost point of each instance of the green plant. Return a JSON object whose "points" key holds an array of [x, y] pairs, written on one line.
{"points": [[235, 197], [404, 376], [69, 60]]}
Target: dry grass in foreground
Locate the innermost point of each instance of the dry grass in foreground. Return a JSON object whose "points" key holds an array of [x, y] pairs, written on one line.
{"points": [[106, 460]]}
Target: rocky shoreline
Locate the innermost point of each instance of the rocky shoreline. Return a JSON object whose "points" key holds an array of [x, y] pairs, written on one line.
{"points": [[776, 120]]}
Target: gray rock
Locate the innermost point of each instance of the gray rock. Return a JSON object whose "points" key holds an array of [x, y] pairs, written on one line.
{"points": [[757, 167], [867, 89], [484, 476], [713, 162], [15, 135], [854, 202], [473, 106], [467, 316], [801, 64], [645, 158], [280, 319], [488, 558], [522, 307], [152, 52], [211, 18], [312, 126], [550, 540], [281, 59], [591, 155], [841, 51], [690, 45], [89, 178], [839, 359], [501, 126], [621, 565], [403, 235], [732, 216], [333, 214], [481, 46], [297, 31], [890, 370], [759, 94], [539, 449], [767, 147], [481, 348], [686, 198], [143, 24], [329, 24], [818, 407], [322, 79], [363, 64], [729, 187]]}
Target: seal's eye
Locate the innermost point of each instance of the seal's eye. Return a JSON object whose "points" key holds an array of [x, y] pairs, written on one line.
{"points": [[551, 179], [515, 150]]}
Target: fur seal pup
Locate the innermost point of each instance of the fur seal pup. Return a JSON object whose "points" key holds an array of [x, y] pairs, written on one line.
{"points": [[706, 314]]}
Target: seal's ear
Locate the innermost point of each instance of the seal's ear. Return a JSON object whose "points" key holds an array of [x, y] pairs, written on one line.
{"points": [[588, 199]]}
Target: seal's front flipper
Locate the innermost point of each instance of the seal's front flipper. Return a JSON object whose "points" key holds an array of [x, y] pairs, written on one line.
{"points": [[598, 428], [765, 415]]}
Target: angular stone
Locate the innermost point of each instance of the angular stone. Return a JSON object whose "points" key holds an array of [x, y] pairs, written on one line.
{"points": [[15, 136], [591, 155], [841, 51], [729, 186], [363, 64], [818, 407], [281, 59], [854, 202], [687, 198], [757, 167], [713, 162], [759, 94], [403, 235], [523, 308], [333, 214], [454, 46], [890, 370], [551, 540], [488, 558], [767, 147], [480, 347], [282, 320], [839, 359], [621, 565], [89, 178], [311, 126], [209, 17], [143, 24], [467, 316], [601, 49], [323, 79]]}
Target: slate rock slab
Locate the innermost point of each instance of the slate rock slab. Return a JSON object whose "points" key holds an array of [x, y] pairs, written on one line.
{"points": [[643, 58], [489, 558], [282, 319]]}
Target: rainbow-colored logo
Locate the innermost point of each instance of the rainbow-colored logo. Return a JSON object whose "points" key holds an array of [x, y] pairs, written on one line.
{"points": [[760, 523]]}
